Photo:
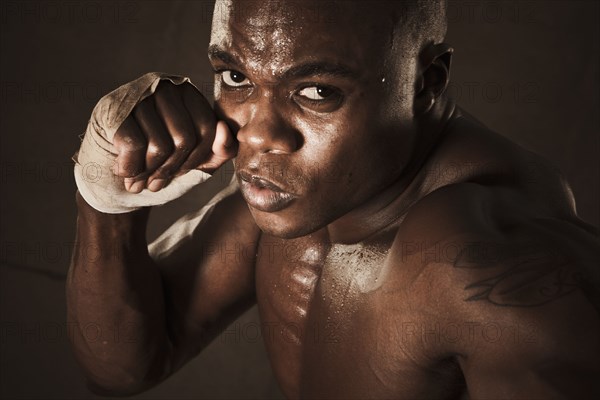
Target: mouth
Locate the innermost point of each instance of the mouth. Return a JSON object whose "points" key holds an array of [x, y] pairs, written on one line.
{"points": [[262, 194]]}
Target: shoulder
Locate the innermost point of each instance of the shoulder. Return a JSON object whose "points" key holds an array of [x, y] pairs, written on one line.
{"points": [[495, 276], [491, 244], [498, 269], [503, 227], [469, 152], [509, 292]]}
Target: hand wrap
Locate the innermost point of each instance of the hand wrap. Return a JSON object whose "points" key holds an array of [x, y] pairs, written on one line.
{"points": [[97, 184]]}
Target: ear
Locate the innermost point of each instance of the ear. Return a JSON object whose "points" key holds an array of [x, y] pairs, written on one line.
{"points": [[433, 76]]}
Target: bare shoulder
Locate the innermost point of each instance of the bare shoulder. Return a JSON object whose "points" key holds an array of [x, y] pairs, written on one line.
{"points": [[511, 290], [504, 227], [493, 269]]}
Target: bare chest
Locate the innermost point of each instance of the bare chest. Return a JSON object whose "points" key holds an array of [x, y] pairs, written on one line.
{"points": [[327, 328]]}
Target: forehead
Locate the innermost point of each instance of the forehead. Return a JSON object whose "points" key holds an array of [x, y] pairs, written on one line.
{"points": [[273, 35]]}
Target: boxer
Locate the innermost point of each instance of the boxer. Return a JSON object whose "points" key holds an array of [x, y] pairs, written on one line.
{"points": [[395, 246]]}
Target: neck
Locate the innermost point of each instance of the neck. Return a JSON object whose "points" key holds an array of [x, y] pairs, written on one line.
{"points": [[386, 209]]}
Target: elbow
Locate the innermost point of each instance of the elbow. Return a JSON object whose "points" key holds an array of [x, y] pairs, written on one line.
{"points": [[119, 382], [120, 388], [110, 375]]}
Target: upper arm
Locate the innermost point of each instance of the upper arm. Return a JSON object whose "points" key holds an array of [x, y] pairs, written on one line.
{"points": [[546, 352], [520, 297], [533, 294], [207, 261]]}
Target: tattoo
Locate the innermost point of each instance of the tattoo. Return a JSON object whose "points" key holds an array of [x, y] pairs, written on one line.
{"points": [[527, 276]]}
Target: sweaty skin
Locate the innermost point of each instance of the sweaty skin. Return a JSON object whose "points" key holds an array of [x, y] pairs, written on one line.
{"points": [[395, 246]]}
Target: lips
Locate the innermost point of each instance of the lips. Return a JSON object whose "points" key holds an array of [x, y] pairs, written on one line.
{"points": [[262, 194]]}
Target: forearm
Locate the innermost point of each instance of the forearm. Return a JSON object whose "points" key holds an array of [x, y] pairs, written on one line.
{"points": [[115, 302]]}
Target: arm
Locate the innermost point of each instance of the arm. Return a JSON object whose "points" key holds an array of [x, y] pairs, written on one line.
{"points": [[538, 334], [519, 303], [115, 302], [136, 318], [547, 352], [540, 318]]}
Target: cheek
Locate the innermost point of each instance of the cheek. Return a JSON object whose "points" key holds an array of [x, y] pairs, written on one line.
{"points": [[337, 169], [355, 159], [339, 146], [230, 112]]}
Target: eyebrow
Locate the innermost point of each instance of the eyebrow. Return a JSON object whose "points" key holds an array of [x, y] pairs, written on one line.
{"points": [[319, 68], [215, 52], [298, 71]]}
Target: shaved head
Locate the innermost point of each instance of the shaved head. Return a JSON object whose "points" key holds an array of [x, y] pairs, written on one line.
{"points": [[418, 23], [415, 23], [340, 88]]}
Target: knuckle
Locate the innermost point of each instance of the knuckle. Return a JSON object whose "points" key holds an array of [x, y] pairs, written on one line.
{"points": [[131, 145], [157, 155], [141, 109], [207, 137], [159, 150], [183, 149], [207, 122], [184, 144], [208, 128]]}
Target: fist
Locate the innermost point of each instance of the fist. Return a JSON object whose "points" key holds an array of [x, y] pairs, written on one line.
{"points": [[169, 133], [149, 142]]}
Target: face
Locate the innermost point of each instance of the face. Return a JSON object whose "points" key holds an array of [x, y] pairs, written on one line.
{"points": [[321, 106]]}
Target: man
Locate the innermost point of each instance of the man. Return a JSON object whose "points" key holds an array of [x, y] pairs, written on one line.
{"points": [[379, 273]]}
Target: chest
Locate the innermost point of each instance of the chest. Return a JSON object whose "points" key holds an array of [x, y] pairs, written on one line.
{"points": [[329, 328]]}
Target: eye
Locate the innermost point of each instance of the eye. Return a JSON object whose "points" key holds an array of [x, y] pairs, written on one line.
{"points": [[319, 98], [234, 78], [316, 92]]}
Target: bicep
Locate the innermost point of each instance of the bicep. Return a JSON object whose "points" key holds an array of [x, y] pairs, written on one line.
{"points": [[207, 261]]}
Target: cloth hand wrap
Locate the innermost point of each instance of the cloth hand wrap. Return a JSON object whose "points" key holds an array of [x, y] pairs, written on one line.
{"points": [[97, 184]]}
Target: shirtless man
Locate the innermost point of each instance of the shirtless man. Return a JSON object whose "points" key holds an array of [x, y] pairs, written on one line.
{"points": [[396, 248]]}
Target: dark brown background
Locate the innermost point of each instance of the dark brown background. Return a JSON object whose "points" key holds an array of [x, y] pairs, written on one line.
{"points": [[527, 69]]}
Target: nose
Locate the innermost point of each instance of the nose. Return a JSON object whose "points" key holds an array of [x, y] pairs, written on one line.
{"points": [[268, 131]]}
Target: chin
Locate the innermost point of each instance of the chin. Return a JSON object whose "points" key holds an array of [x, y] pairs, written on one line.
{"points": [[280, 226]]}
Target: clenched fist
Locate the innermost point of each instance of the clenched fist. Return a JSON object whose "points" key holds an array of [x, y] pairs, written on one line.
{"points": [[149, 142], [168, 134]]}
